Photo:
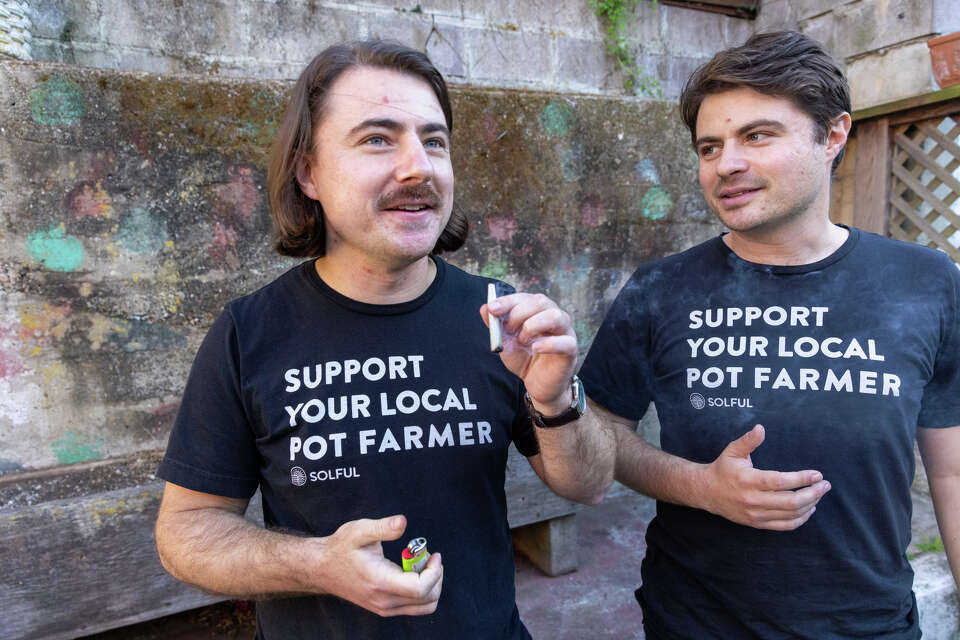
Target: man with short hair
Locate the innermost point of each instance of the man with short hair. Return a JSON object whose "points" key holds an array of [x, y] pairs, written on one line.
{"points": [[792, 362], [358, 390]]}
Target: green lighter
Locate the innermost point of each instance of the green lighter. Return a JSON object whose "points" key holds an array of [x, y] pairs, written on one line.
{"points": [[415, 555]]}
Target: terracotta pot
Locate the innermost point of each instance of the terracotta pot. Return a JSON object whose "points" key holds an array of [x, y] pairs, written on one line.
{"points": [[945, 57]]}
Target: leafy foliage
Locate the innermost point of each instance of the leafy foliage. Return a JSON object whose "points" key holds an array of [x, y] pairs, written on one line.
{"points": [[616, 13]]}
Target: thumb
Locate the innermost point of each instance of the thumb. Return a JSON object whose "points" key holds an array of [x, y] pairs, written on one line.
{"points": [[371, 531], [743, 446]]}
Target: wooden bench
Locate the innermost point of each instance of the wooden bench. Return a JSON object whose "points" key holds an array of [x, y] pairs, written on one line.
{"points": [[85, 563]]}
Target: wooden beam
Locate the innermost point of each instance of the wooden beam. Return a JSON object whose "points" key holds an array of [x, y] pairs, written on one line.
{"points": [[907, 105], [551, 546], [872, 180]]}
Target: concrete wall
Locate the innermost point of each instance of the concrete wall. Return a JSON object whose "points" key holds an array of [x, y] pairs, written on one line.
{"points": [[552, 45], [881, 43], [132, 208]]}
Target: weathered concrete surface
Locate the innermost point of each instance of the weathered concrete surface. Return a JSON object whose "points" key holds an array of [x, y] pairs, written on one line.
{"points": [[554, 45], [132, 207]]}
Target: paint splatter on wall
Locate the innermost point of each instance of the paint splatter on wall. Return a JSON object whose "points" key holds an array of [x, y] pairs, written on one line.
{"points": [[55, 249], [134, 209]]}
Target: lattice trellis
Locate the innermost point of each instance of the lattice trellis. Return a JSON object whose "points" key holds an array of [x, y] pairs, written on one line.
{"points": [[925, 187]]}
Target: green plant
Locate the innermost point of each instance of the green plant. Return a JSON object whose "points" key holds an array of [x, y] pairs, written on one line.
{"points": [[926, 544], [616, 12]]}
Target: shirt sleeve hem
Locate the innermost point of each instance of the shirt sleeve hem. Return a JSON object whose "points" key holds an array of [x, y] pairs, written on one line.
{"points": [[195, 479]]}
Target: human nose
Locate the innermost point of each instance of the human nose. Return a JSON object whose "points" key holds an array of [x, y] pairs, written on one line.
{"points": [[731, 161], [413, 163]]}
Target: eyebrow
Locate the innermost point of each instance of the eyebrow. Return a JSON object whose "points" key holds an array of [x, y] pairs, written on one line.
{"points": [[393, 125], [753, 124]]}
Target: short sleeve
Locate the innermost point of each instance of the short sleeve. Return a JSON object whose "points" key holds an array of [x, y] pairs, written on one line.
{"points": [[616, 371], [212, 447], [941, 396]]}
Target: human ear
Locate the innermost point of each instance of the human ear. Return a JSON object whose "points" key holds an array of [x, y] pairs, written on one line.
{"points": [[837, 134], [305, 178]]}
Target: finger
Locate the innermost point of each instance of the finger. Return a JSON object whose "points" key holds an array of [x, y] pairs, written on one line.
{"points": [[519, 307], [368, 531], [793, 501], [409, 610], [431, 578], [743, 446], [555, 345], [552, 321], [787, 524], [783, 480]]}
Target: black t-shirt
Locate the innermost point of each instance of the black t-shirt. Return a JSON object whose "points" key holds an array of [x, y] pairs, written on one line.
{"points": [[340, 410], [841, 361]]}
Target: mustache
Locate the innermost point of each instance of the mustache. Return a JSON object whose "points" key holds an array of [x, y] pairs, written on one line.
{"points": [[423, 192]]}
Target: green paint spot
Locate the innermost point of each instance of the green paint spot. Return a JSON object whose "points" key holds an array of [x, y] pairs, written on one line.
{"points": [[571, 160], [70, 449], [141, 232], [496, 269], [269, 105], [656, 203], [59, 101], [557, 118], [56, 250]]}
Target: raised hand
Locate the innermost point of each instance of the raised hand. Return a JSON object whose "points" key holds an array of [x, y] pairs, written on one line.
{"points": [[776, 500], [539, 346]]}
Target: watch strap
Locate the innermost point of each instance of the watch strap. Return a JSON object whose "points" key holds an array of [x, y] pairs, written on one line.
{"points": [[573, 412]]}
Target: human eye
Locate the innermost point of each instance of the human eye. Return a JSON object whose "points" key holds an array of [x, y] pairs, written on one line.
{"points": [[756, 136], [707, 150], [375, 140], [435, 143]]}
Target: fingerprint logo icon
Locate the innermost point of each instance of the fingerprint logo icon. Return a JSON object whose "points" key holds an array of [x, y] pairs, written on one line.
{"points": [[698, 401], [298, 477]]}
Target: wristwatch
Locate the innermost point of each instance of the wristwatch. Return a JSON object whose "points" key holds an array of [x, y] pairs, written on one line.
{"points": [[576, 409]]}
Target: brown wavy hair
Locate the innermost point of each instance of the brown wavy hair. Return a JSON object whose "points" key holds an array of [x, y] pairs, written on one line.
{"points": [[785, 64], [298, 224]]}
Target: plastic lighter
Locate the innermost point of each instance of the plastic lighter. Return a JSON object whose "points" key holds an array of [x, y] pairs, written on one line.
{"points": [[415, 555]]}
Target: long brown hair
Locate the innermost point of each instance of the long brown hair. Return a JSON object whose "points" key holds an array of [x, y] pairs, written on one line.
{"points": [[786, 64], [298, 224]]}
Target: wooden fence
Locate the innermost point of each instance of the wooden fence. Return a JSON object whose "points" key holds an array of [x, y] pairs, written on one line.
{"points": [[901, 176]]}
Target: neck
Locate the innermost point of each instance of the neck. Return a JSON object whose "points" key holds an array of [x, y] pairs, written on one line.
{"points": [[802, 239], [797, 247], [365, 281]]}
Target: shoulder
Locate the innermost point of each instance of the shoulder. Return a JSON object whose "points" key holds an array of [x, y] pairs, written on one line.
{"points": [[283, 290], [914, 261], [678, 268], [457, 278]]}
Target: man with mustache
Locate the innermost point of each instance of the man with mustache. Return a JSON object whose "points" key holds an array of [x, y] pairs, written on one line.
{"points": [[358, 391], [792, 363]]}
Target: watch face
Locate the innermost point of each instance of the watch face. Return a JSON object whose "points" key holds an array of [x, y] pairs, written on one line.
{"points": [[581, 398]]}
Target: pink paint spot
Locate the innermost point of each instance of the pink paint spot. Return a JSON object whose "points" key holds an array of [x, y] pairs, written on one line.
{"points": [[489, 127], [90, 200], [523, 251], [223, 247], [591, 212], [10, 364], [238, 199], [385, 100], [502, 226]]}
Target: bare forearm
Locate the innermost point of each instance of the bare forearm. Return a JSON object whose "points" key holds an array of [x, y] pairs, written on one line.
{"points": [[221, 551], [945, 491], [578, 458], [655, 473]]}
